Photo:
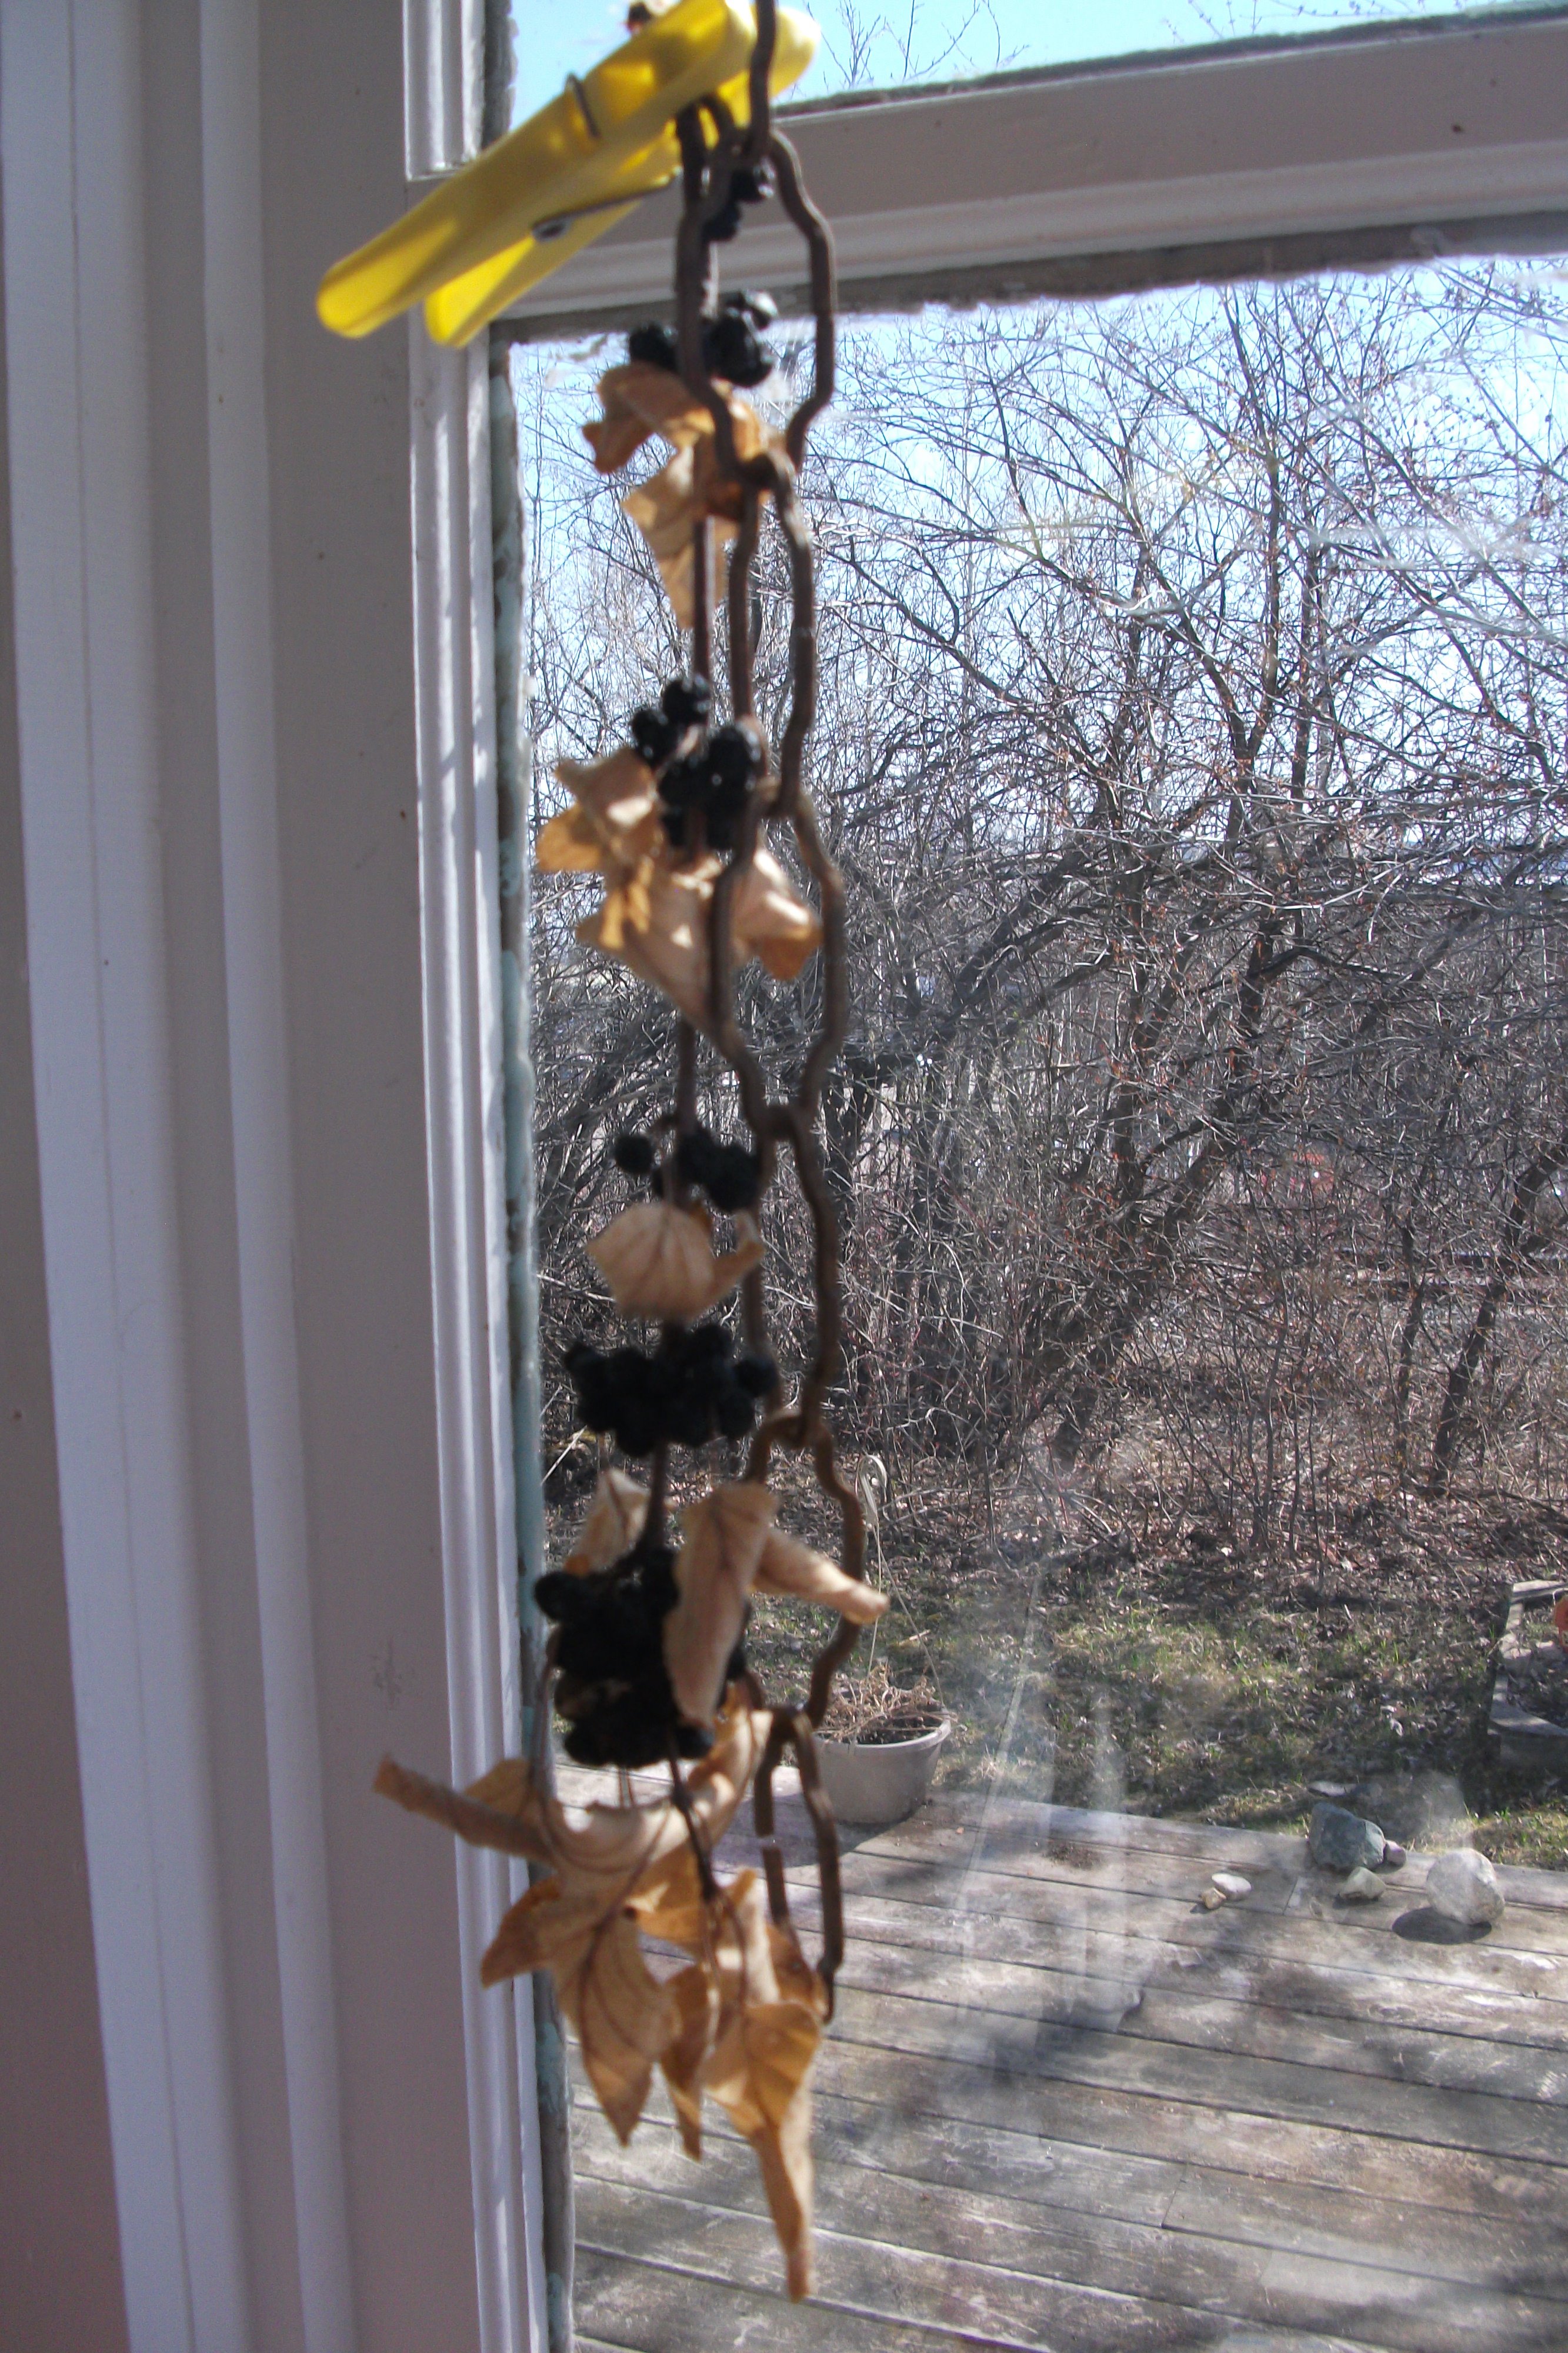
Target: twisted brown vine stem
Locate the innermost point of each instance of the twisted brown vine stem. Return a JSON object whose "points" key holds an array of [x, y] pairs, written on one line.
{"points": [[771, 478]]}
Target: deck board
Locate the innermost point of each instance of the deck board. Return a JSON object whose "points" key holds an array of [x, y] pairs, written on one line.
{"points": [[1062, 2108]]}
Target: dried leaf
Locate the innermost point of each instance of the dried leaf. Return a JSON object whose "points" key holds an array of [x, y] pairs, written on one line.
{"points": [[616, 1517], [658, 928], [798, 1981], [722, 1539], [624, 2017], [569, 844], [638, 400], [761, 2069], [521, 1832], [667, 509], [659, 1261], [793, 1569], [695, 1994], [669, 1903], [616, 815], [611, 1847], [788, 2038], [772, 922], [669, 948]]}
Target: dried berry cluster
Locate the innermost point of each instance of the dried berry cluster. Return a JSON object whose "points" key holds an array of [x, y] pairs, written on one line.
{"points": [[732, 348], [689, 1391], [729, 1173], [611, 1684], [705, 776]]}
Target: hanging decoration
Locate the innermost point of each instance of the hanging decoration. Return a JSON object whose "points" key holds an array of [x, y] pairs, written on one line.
{"points": [[682, 827]]}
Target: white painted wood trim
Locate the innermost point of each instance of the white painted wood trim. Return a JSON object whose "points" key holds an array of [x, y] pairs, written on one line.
{"points": [[77, 439], [261, 1114], [463, 1093], [1391, 128], [260, 2041]]}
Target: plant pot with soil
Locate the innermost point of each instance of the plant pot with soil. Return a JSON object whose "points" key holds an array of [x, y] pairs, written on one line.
{"points": [[878, 1750]]}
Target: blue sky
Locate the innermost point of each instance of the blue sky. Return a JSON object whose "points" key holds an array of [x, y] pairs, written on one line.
{"points": [[950, 38]]}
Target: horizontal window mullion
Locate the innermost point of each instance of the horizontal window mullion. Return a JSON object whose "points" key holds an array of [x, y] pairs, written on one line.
{"points": [[1287, 155]]}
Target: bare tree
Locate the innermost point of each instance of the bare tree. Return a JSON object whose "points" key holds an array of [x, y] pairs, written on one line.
{"points": [[1194, 712]]}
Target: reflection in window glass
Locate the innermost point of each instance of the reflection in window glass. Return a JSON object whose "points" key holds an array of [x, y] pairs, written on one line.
{"points": [[872, 45], [1192, 736]]}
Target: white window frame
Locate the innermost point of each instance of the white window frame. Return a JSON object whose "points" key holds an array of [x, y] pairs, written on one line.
{"points": [[243, 2092], [1250, 158]]}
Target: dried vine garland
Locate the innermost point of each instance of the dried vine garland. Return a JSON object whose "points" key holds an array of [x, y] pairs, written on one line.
{"points": [[647, 1656]]}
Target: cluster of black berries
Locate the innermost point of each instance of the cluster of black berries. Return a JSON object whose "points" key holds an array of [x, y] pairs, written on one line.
{"points": [[612, 1685], [733, 346], [712, 781], [687, 1391], [727, 1172], [730, 1174], [684, 703], [747, 186]]}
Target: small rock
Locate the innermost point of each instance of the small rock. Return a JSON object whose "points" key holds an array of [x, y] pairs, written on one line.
{"points": [[1393, 1855], [1211, 1899], [1362, 1886], [1231, 1884], [1341, 1840], [1463, 1886]]}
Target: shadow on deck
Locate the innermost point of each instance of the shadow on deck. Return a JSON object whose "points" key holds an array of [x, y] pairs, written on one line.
{"points": [[1062, 2106]]}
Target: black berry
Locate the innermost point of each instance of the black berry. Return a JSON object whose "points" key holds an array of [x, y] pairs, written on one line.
{"points": [[686, 1393], [633, 1155], [733, 349], [612, 1687], [655, 346], [756, 1373], [653, 734], [685, 782], [687, 701], [727, 1172], [734, 754]]}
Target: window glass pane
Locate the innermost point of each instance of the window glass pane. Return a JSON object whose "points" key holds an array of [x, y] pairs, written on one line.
{"points": [[1195, 704], [870, 44]]}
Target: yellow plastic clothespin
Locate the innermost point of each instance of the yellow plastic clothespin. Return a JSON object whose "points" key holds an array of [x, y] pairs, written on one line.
{"points": [[562, 178]]}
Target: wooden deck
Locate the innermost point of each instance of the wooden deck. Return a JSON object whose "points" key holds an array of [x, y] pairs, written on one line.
{"points": [[1062, 2106]]}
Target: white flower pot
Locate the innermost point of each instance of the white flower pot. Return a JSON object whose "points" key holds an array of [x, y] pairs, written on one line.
{"points": [[879, 1781]]}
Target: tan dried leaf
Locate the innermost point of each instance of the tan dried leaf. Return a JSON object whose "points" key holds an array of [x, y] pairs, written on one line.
{"points": [[784, 2149], [797, 1980], [667, 509], [616, 1517], [636, 400], [617, 810], [609, 1849], [761, 2069], [794, 1570], [695, 1993], [721, 1543], [658, 928], [670, 1903], [669, 948], [569, 844], [624, 2017], [771, 921], [521, 1830], [659, 1261]]}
